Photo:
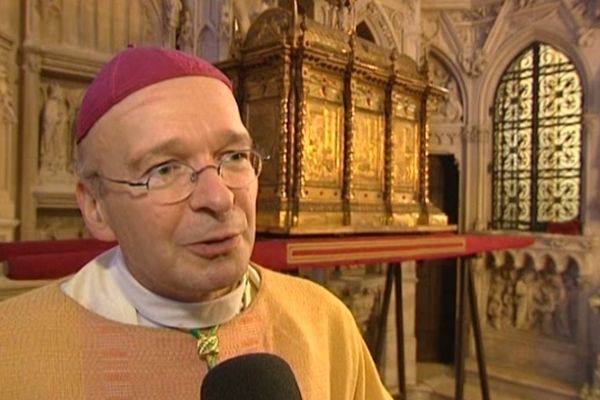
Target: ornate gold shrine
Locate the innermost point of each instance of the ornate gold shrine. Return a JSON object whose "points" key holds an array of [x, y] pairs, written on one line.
{"points": [[344, 124]]}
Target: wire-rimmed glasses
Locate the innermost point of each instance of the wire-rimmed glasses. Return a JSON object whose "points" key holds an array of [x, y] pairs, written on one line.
{"points": [[174, 181]]}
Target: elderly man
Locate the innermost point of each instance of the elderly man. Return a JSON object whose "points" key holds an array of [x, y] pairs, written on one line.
{"points": [[168, 170]]}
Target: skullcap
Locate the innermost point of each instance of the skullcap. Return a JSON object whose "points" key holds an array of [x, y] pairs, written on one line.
{"points": [[131, 70]]}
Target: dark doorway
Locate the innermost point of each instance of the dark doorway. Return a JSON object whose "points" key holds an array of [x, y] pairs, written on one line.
{"points": [[436, 286]]}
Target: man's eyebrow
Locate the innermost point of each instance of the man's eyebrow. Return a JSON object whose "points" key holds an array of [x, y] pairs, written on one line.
{"points": [[238, 138], [174, 146], [168, 147]]}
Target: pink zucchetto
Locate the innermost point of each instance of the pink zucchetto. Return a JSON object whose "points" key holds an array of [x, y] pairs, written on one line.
{"points": [[131, 70]]}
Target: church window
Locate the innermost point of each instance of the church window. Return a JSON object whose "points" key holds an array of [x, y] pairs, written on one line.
{"points": [[537, 142]]}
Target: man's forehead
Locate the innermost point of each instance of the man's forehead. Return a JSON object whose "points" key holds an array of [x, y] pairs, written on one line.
{"points": [[134, 69], [190, 103]]}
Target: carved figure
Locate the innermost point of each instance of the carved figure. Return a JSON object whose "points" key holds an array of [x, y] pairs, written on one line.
{"points": [[494, 309], [54, 147], [7, 124], [524, 300], [508, 296], [552, 294], [453, 110], [7, 110], [185, 38], [172, 14], [172, 11], [246, 11]]}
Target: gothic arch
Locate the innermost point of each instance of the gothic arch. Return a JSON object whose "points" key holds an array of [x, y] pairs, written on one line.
{"points": [[454, 71], [511, 49], [503, 57], [374, 18], [208, 44]]}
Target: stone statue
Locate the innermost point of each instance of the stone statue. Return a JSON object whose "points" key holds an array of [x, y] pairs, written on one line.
{"points": [[55, 138], [552, 295], [7, 110], [494, 308], [453, 109], [524, 292], [185, 37], [592, 392], [7, 124], [173, 10], [246, 11]]}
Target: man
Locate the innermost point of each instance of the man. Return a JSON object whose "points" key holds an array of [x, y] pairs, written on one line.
{"points": [[168, 170]]}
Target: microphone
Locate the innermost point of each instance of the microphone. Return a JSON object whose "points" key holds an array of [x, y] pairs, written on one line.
{"points": [[256, 376]]}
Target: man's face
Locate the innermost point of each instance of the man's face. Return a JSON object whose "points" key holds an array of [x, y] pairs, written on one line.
{"points": [[197, 248]]}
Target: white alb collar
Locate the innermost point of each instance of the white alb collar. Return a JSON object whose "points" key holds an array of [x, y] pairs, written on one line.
{"points": [[155, 310]]}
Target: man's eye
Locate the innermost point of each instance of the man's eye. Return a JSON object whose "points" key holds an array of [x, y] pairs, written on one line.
{"points": [[166, 170], [237, 156]]}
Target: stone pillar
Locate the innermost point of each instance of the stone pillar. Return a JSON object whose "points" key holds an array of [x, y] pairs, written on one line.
{"points": [[592, 392], [8, 128], [31, 69]]}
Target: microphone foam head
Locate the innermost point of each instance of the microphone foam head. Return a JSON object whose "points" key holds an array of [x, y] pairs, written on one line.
{"points": [[256, 376]]}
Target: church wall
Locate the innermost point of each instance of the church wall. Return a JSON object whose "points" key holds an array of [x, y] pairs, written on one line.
{"points": [[9, 34], [552, 337], [49, 52]]}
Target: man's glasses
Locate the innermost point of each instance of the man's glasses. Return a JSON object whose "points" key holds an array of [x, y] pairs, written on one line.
{"points": [[175, 181]]}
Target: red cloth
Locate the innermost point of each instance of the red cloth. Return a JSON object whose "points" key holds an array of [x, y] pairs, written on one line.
{"points": [[29, 260], [49, 259], [49, 265], [291, 253], [8, 249], [133, 69]]}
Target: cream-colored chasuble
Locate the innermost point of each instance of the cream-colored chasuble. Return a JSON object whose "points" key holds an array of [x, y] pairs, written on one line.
{"points": [[107, 287]]}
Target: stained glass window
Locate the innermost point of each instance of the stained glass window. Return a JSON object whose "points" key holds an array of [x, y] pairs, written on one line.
{"points": [[536, 163]]}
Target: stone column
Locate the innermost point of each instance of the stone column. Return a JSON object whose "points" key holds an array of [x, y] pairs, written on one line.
{"points": [[592, 392], [31, 83], [8, 126]]}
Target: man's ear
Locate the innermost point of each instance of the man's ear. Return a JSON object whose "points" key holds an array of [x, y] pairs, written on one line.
{"points": [[93, 213]]}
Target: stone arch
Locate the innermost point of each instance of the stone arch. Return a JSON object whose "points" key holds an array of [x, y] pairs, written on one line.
{"points": [[486, 90], [511, 49], [364, 31], [375, 19], [447, 117], [208, 40]]}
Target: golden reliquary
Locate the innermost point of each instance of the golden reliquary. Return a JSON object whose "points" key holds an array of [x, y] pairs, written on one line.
{"points": [[344, 124]]}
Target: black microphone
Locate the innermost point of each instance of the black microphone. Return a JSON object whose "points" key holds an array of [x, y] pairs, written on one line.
{"points": [[256, 376]]}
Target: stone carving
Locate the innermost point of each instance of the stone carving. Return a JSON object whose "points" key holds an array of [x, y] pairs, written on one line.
{"points": [[173, 9], [55, 137], [473, 62], [7, 109], [524, 3], [185, 36], [50, 12], [473, 28], [246, 12], [592, 392], [32, 62], [7, 123], [374, 15], [451, 108], [362, 293], [542, 302], [68, 225], [524, 300], [495, 301], [339, 14]]}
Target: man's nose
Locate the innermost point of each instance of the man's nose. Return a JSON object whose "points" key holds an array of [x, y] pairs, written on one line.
{"points": [[211, 192]]}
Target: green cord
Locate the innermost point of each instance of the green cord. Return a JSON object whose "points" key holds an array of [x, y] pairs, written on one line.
{"points": [[207, 345]]}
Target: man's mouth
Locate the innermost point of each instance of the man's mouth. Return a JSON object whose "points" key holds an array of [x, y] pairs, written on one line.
{"points": [[214, 247]]}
